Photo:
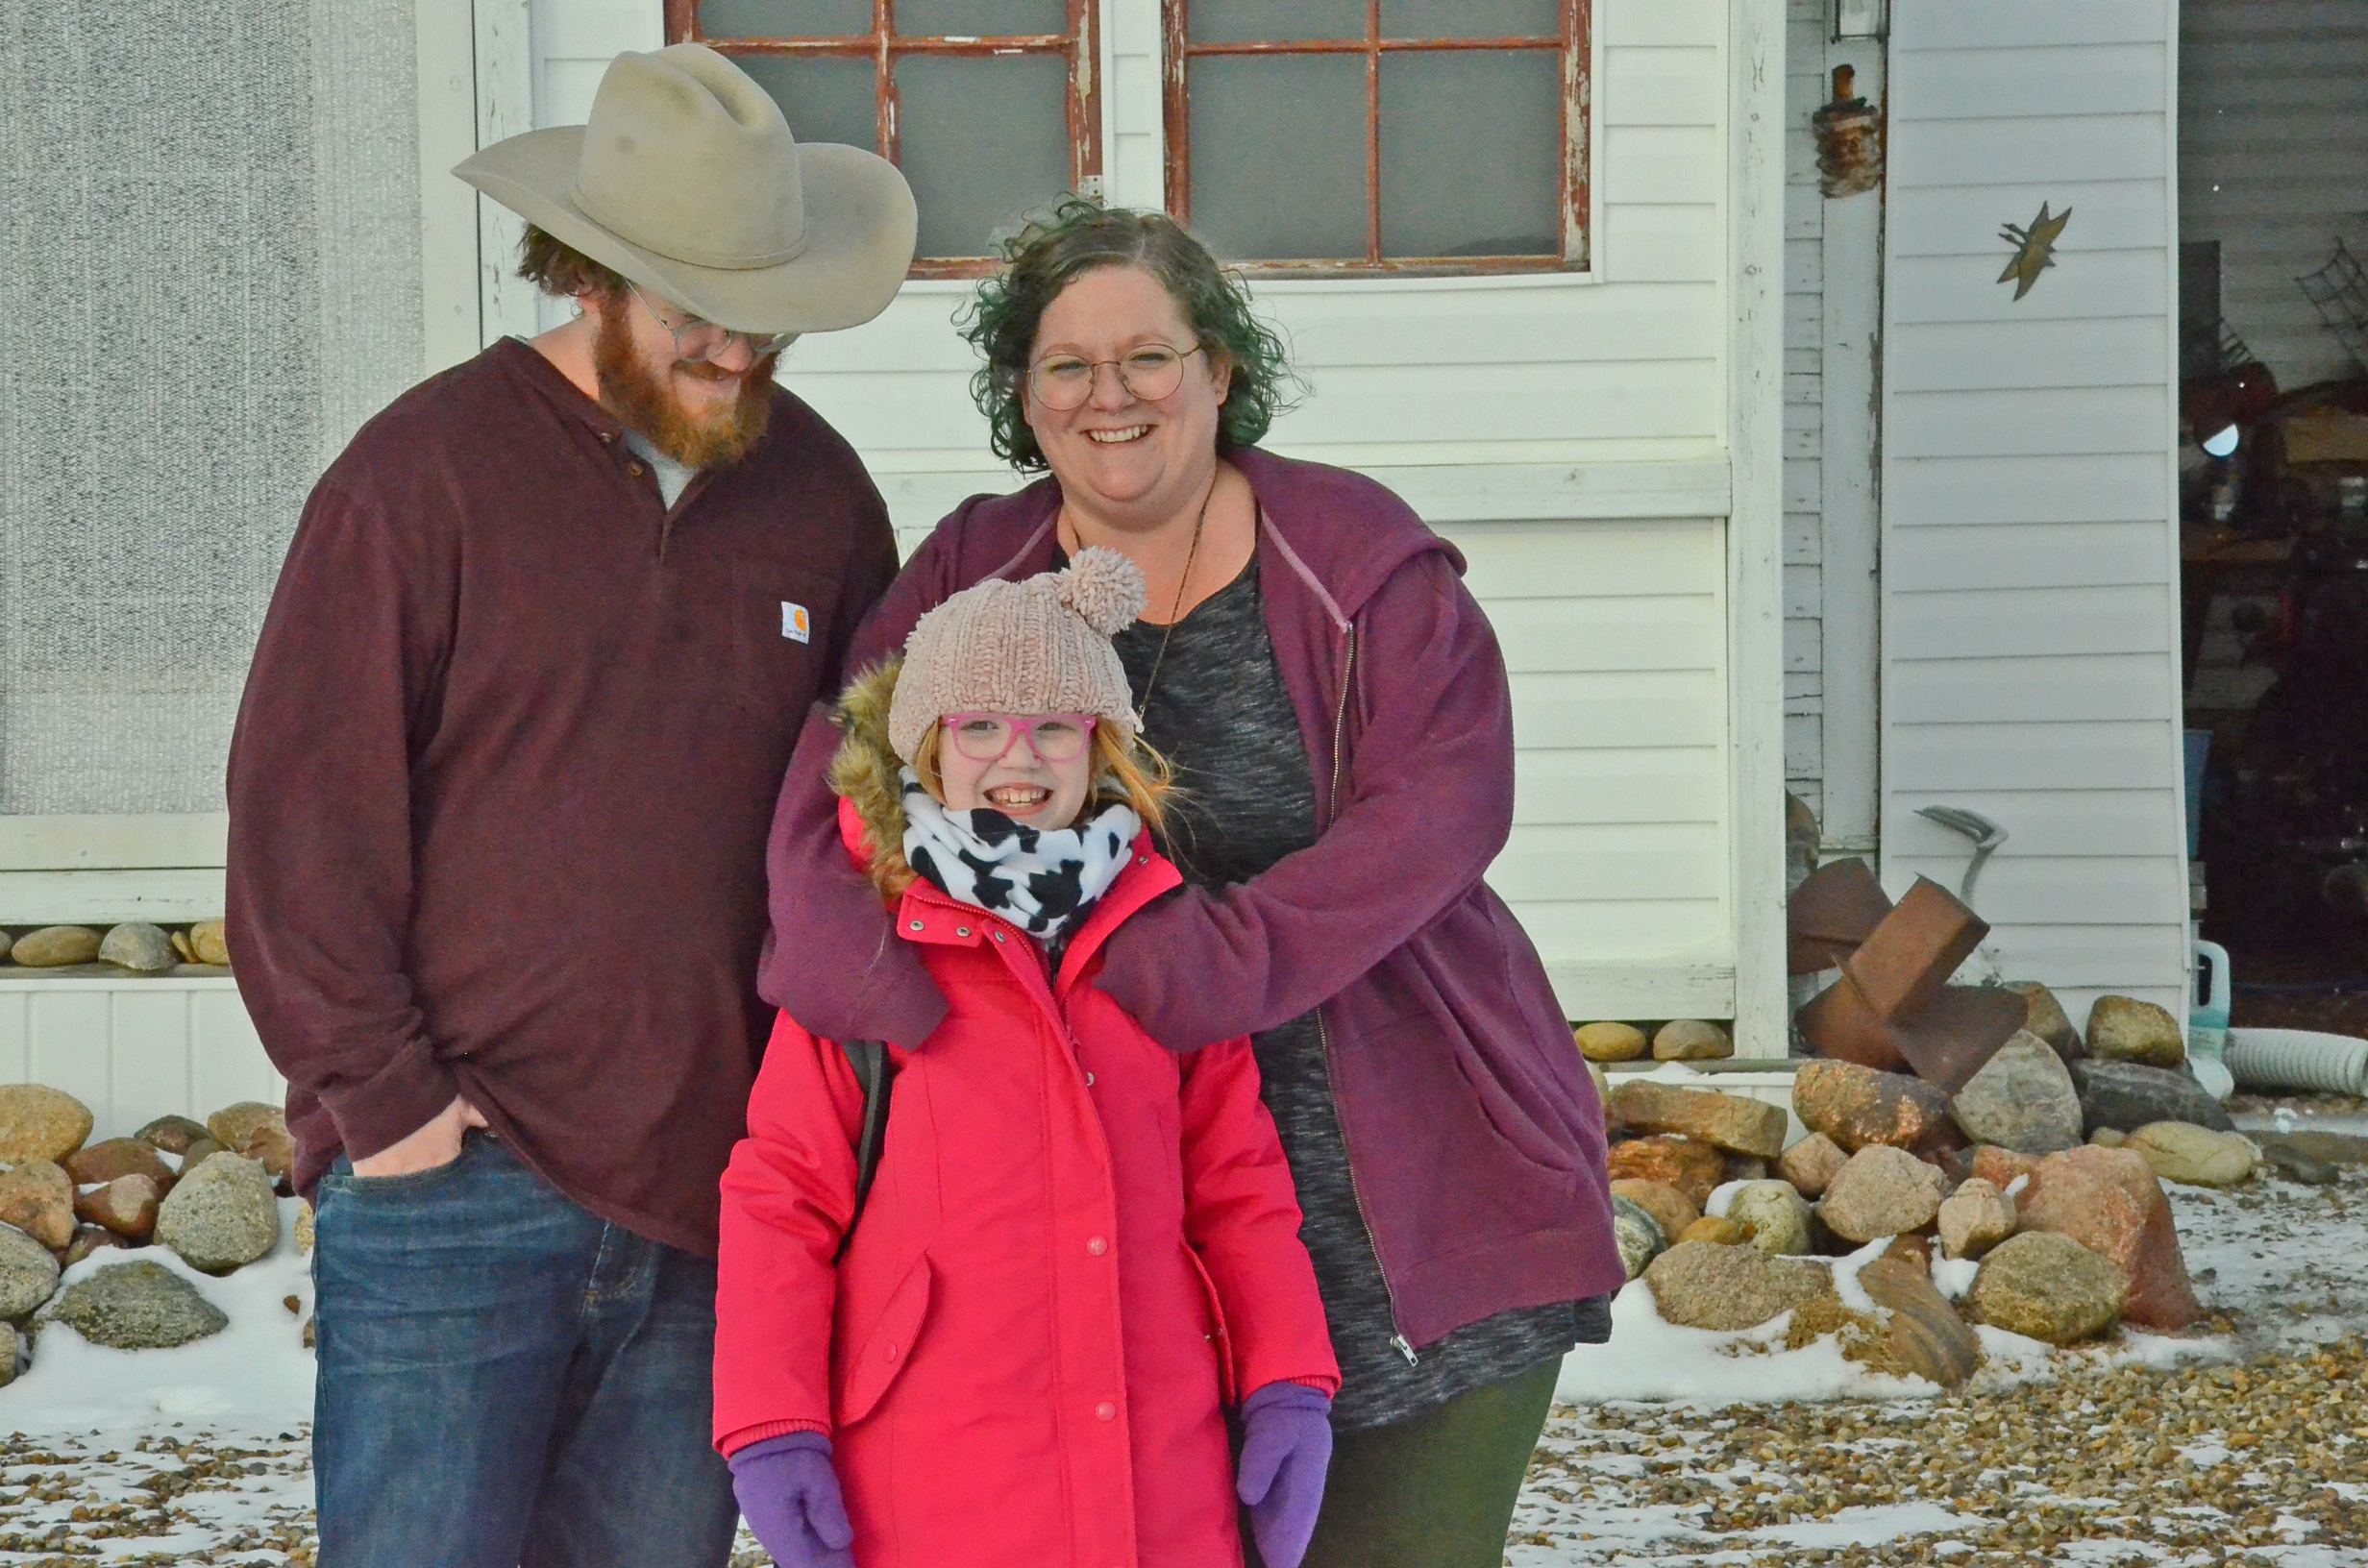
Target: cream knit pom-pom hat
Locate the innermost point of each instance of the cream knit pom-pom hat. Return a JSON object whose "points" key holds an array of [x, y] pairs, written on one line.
{"points": [[1041, 645]]}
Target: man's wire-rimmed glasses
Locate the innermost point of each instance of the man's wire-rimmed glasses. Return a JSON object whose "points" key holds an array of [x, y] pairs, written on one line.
{"points": [[695, 337]]}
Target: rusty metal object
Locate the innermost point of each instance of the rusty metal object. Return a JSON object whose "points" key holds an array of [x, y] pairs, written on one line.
{"points": [[1956, 1035], [1840, 1022], [1947, 1041], [1905, 961], [1834, 909], [1893, 1009], [1849, 132]]}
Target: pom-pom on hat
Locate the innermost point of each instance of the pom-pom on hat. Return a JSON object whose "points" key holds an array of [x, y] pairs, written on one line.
{"points": [[1041, 645]]}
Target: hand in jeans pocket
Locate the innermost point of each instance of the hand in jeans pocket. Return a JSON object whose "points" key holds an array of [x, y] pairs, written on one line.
{"points": [[436, 1143]]}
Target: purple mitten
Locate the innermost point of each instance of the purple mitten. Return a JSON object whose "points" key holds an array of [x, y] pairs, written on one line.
{"points": [[790, 1497], [1286, 1449]]}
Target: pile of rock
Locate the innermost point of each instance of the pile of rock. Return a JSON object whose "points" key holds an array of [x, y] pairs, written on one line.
{"points": [[2033, 1197], [208, 1192], [136, 946]]}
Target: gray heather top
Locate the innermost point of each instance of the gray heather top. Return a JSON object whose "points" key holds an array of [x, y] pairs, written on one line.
{"points": [[672, 477], [1222, 716]]}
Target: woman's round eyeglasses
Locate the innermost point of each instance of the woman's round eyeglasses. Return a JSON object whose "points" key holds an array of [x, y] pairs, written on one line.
{"points": [[989, 737], [1062, 381], [695, 337]]}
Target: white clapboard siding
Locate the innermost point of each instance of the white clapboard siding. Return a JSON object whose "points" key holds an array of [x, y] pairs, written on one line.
{"points": [[2030, 608], [1573, 434], [1569, 434], [1613, 635], [1543, 370], [2273, 155], [132, 1050]]}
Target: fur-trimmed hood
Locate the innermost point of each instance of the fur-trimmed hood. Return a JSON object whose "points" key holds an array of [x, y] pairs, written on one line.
{"points": [[867, 774]]}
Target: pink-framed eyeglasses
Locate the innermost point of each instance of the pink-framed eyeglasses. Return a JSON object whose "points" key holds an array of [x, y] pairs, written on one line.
{"points": [[989, 737]]}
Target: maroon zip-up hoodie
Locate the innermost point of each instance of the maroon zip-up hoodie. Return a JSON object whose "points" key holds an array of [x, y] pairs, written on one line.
{"points": [[1475, 1133]]}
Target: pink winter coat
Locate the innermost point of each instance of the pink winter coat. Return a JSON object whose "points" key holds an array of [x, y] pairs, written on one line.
{"points": [[1080, 1247]]}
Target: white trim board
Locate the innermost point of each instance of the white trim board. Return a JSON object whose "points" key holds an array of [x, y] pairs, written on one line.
{"points": [[1439, 493], [162, 895], [1590, 992], [447, 207], [126, 842], [1755, 529]]}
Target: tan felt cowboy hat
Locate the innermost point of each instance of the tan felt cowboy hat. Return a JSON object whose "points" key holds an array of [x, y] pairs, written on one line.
{"points": [[687, 181]]}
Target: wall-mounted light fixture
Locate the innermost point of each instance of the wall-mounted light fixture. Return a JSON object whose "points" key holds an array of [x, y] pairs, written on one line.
{"points": [[1862, 19]]}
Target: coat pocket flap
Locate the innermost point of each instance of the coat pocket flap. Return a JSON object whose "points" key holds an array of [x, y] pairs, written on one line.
{"points": [[873, 1366]]}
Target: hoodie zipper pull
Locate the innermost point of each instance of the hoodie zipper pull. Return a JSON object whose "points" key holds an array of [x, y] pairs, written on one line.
{"points": [[1398, 1342]]}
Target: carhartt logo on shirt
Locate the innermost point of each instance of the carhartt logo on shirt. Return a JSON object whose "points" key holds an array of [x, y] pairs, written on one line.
{"points": [[796, 625]]}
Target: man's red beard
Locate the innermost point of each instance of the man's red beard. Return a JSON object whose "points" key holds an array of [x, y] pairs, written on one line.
{"points": [[648, 405]]}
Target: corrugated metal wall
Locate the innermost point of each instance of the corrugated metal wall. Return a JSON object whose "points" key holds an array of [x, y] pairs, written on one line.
{"points": [[2029, 560], [2273, 150]]}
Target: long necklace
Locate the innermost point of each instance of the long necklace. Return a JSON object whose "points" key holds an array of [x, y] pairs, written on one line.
{"points": [[1175, 610]]}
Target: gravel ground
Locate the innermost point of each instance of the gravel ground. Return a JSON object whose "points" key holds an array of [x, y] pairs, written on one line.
{"points": [[2251, 1448], [2203, 1463]]}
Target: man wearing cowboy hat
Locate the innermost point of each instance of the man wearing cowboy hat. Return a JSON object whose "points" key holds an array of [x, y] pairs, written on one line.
{"points": [[499, 797]]}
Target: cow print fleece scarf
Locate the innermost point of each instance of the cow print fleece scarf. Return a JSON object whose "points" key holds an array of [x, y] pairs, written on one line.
{"points": [[1045, 883]]}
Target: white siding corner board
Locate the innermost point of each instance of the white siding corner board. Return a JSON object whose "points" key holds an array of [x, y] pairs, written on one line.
{"points": [[2030, 615]]}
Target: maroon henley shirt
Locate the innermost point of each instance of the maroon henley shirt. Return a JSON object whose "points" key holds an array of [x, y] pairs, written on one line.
{"points": [[504, 771]]}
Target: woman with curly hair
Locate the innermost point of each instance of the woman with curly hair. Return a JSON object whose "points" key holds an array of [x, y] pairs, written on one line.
{"points": [[1337, 713]]}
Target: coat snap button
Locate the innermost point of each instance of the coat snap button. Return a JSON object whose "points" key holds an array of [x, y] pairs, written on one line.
{"points": [[1089, 1080], [1105, 1411], [917, 925], [999, 936], [1097, 1246], [961, 930]]}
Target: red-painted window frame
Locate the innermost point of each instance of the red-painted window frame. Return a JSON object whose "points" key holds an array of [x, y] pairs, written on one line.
{"points": [[884, 46], [1577, 90]]}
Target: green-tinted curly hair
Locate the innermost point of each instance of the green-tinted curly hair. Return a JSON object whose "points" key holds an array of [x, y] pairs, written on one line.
{"points": [[1078, 236]]}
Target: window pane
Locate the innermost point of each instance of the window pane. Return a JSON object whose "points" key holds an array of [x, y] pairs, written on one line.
{"points": [[784, 18], [1278, 154], [1246, 21], [1471, 153], [985, 140], [980, 18], [1472, 18], [824, 100]]}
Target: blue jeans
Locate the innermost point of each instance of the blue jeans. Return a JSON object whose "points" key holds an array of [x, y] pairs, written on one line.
{"points": [[507, 1380]]}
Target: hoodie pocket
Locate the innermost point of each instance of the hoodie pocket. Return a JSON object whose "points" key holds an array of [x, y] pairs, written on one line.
{"points": [[869, 1371]]}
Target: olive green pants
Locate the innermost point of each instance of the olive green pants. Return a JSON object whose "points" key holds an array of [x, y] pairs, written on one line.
{"points": [[1434, 1493]]}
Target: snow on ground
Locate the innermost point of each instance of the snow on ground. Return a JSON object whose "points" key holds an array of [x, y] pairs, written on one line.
{"points": [[253, 1379], [1676, 1446], [195, 1453]]}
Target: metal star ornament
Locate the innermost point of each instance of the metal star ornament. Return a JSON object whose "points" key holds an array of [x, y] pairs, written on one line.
{"points": [[2034, 247]]}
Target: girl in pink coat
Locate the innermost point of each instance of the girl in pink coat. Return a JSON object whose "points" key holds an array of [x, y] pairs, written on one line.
{"points": [[1081, 1250]]}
